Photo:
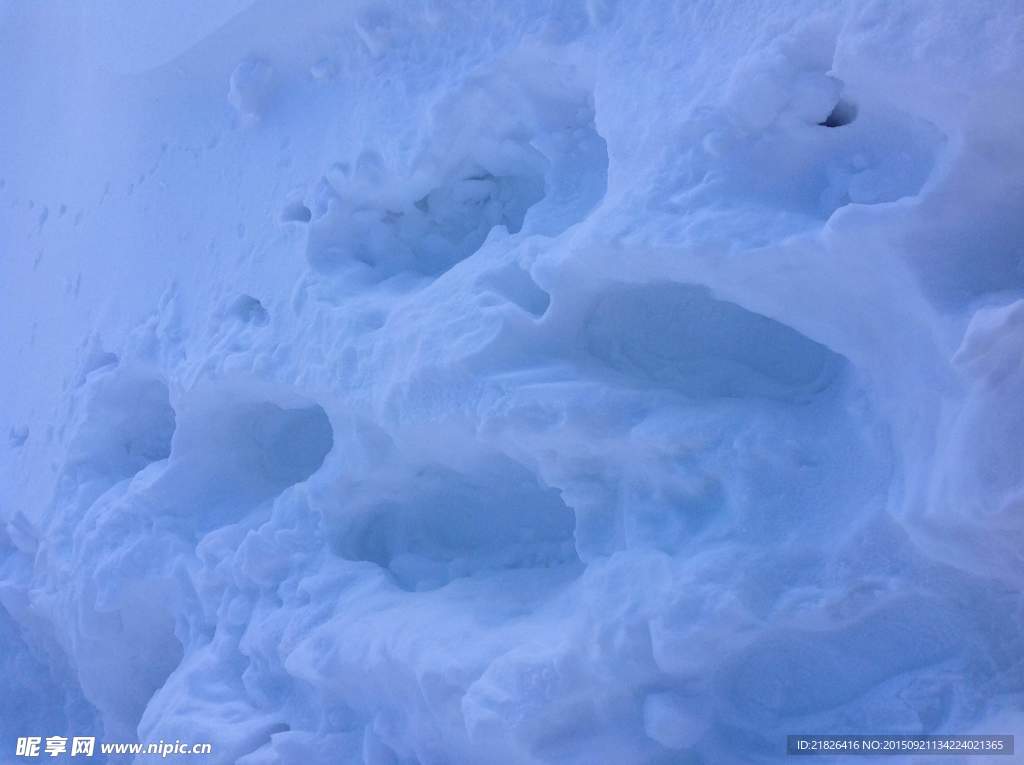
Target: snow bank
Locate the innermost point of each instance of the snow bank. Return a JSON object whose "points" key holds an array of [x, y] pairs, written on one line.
{"points": [[515, 383]]}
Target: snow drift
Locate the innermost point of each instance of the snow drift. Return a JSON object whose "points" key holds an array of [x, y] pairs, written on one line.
{"points": [[565, 382]]}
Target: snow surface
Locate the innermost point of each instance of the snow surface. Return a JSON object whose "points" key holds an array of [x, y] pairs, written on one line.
{"points": [[542, 382]]}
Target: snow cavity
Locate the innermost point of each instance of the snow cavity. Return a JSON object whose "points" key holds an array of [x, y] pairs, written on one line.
{"points": [[446, 525], [512, 148], [678, 336]]}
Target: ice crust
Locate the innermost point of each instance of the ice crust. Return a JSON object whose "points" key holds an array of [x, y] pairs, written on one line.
{"points": [[545, 382]]}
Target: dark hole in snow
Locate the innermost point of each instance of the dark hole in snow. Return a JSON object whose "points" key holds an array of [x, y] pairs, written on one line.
{"points": [[296, 212], [280, 447], [230, 455], [250, 310], [681, 337], [844, 113], [17, 436], [128, 424], [446, 525]]}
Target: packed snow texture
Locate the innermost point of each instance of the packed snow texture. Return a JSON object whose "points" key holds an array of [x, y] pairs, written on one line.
{"points": [[578, 381]]}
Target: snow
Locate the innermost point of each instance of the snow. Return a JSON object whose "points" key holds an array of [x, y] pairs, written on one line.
{"points": [[548, 382]]}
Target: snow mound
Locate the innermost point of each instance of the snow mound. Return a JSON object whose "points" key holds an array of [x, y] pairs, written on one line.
{"points": [[561, 382]]}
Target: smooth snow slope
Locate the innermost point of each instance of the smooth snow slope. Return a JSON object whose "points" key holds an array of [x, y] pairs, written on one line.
{"points": [[510, 382]]}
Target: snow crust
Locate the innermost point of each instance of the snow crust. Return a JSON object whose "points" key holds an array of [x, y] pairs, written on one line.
{"points": [[546, 382]]}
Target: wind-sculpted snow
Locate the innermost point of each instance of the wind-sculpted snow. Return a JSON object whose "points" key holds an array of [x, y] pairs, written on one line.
{"points": [[570, 382]]}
